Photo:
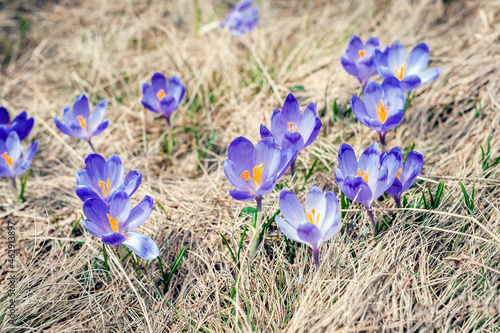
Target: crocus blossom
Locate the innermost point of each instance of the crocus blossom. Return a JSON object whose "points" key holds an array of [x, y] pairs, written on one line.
{"points": [[20, 124], [255, 170], [289, 127], [358, 58], [113, 224], [243, 18], [11, 162], [102, 178], [318, 224], [368, 179], [382, 107], [410, 70], [406, 175], [160, 97], [79, 123]]}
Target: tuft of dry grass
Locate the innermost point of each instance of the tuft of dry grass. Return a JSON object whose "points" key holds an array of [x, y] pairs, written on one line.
{"points": [[431, 270]]}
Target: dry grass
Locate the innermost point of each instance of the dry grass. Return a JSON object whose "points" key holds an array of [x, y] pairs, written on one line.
{"points": [[402, 281]]}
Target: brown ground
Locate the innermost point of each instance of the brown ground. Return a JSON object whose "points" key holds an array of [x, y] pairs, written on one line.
{"points": [[402, 281]]}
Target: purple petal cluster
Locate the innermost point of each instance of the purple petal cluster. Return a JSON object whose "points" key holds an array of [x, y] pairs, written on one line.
{"points": [[243, 18], [368, 179], [317, 224], [21, 124], [114, 223], [382, 107], [289, 127], [79, 123], [411, 70], [162, 97], [106, 194], [11, 162], [406, 175], [358, 58], [254, 170], [102, 178]]}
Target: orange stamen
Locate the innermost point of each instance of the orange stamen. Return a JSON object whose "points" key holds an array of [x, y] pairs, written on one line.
{"points": [[399, 173], [401, 72], [363, 175], [8, 124], [382, 111], [256, 173], [105, 189], [312, 218], [83, 121], [8, 159], [291, 127], [160, 94], [361, 54], [113, 222]]}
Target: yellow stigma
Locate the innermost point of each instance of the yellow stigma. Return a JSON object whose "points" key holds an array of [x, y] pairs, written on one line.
{"points": [[363, 175], [7, 158], [401, 73], [312, 218], [399, 173], [105, 187], [361, 54], [113, 223], [291, 127], [160, 94], [382, 111], [256, 173], [83, 121]]}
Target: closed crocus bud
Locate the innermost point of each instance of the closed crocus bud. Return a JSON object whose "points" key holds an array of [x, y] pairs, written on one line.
{"points": [[21, 124]]}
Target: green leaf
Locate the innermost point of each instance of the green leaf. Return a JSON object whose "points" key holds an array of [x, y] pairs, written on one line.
{"points": [[297, 88], [176, 264]]}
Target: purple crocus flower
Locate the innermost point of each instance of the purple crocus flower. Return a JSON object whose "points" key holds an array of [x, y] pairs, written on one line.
{"points": [[319, 223], [79, 123], [411, 70], [113, 224], [101, 179], [382, 108], [406, 175], [368, 179], [288, 127], [243, 18], [11, 162], [161, 97], [358, 58], [20, 124], [255, 170]]}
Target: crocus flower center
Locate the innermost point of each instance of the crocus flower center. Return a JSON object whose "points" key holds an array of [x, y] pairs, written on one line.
{"points": [[113, 223], [312, 217], [382, 111], [8, 124], [399, 173], [256, 173], [361, 54], [160, 94], [83, 121], [291, 127], [363, 175], [401, 73], [7, 158], [105, 187]]}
